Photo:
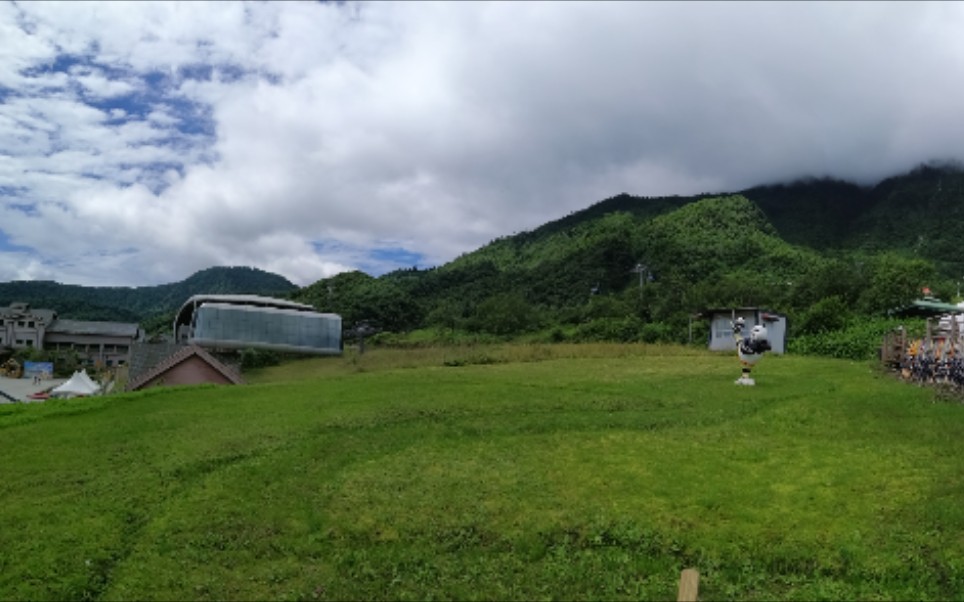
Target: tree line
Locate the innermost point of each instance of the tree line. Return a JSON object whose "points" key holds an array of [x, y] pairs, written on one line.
{"points": [[633, 276]]}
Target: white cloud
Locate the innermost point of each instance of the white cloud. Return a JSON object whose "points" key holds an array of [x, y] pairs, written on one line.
{"points": [[150, 140], [99, 86]]}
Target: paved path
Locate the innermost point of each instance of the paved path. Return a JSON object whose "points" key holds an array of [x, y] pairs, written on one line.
{"points": [[20, 388]]}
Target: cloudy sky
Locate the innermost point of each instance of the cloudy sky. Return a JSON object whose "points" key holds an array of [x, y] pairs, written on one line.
{"points": [[143, 141]]}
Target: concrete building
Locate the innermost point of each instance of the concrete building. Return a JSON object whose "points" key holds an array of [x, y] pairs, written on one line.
{"points": [[721, 329], [21, 326], [105, 343]]}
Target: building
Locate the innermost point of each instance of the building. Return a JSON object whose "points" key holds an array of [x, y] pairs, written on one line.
{"points": [[251, 321], [22, 327], [209, 328], [108, 343], [104, 343], [190, 365], [721, 327]]}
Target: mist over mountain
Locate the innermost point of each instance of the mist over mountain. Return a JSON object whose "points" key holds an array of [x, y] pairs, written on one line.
{"points": [[657, 260]]}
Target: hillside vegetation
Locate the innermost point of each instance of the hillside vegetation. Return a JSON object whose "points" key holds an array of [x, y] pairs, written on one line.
{"points": [[490, 473], [636, 269], [137, 304], [836, 258]]}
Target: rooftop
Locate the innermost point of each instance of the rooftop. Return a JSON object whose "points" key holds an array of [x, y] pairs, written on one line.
{"points": [[114, 329]]}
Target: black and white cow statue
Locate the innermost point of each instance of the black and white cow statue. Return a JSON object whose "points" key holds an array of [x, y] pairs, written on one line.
{"points": [[749, 348]]}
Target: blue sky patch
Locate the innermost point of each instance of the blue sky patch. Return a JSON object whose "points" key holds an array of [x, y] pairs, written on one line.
{"points": [[28, 208], [374, 262], [14, 191], [387, 259], [8, 247]]}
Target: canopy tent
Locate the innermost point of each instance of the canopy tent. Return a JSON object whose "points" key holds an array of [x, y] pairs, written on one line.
{"points": [[78, 384]]}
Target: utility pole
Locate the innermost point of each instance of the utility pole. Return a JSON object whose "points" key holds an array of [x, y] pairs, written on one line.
{"points": [[640, 269]]}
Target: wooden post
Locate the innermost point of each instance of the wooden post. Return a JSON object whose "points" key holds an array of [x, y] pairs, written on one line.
{"points": [[689, 586]]}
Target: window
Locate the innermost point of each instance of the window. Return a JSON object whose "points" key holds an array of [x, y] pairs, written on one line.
{"points": [[29, 324]]}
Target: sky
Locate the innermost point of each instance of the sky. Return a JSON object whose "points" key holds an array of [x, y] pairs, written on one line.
{"points": [[143, 141]]}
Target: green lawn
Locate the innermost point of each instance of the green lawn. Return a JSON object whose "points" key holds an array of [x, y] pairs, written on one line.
{"points": [[569, 472]]}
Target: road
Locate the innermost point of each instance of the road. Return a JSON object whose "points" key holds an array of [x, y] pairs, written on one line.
{"points": [[20, 388]]}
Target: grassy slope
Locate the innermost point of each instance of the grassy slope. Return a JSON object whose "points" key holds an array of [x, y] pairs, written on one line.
{"points": [[596, 473]]}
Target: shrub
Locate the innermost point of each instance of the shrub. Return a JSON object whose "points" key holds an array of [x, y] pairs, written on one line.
{"points": [[258, 358], [504, 314], [828, 314], [859, 340], [624, 330], [657, 332]]}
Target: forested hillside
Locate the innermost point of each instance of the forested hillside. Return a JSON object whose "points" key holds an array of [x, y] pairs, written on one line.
{"points": [[920, 214], [129, 304], [713, 252], [829, 254]]}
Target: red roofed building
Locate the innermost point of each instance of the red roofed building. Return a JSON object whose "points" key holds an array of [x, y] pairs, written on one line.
{"points": [[190, 365]]}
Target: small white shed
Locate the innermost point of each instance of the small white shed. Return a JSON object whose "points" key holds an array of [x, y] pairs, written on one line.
{"points": [[721, 326]]}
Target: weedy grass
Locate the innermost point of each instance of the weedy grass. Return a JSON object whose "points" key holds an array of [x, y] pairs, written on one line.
{"points": [[491, 472]]}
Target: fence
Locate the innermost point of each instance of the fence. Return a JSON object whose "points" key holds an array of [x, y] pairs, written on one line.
{"points": [[935, 359]]}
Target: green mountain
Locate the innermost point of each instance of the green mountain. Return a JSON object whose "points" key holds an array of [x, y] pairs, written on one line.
{"points": [[709, 251], [629, 267], [920, 214], [137, 304], [657, 260]]}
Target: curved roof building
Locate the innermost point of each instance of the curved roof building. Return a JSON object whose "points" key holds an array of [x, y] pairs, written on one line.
{"points": [[251, 321]]}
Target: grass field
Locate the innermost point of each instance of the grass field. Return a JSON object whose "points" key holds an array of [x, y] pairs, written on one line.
{"points": [[527, 472]]}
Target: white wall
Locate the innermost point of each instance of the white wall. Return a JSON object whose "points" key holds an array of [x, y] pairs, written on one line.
{"points": [[721, 333]]}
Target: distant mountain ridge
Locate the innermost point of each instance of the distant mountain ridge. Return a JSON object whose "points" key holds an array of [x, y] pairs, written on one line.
{"points": [[783, 245], [655, 261], [136, 304], [920, 213]]}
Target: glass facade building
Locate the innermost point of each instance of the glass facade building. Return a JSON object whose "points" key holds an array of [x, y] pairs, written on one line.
{"points": [[231, 324]]}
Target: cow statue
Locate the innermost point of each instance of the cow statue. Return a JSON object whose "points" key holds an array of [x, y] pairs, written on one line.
{"points": [[749, 348]]}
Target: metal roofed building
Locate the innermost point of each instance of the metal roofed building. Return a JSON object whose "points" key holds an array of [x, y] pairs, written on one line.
{"points": [[252, 321], [721, 328], [108, 342], [22, 326], [928, 306]]}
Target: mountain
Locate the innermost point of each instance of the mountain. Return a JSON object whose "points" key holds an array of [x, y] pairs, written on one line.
{"points": [[657, 260], [137, 304], [920, 213], [638, 264], [687, 252]]}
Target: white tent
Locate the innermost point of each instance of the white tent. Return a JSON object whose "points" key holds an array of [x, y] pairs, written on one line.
{"points": [[79, 384]]}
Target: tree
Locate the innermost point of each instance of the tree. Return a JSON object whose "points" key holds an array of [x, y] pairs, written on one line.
{"points": [[895, 281], [831, 313], [504, 314]]}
